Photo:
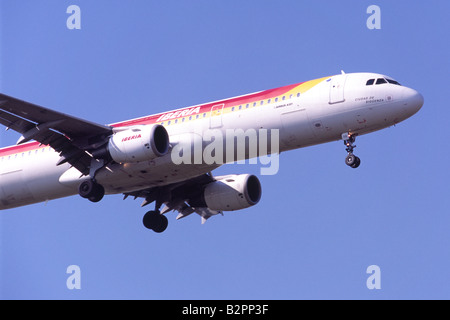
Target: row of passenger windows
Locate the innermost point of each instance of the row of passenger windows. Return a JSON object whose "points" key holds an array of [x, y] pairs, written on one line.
{"points": [[184, 119], [29, 153], [262, 102], [381, 81], [254, 104]]}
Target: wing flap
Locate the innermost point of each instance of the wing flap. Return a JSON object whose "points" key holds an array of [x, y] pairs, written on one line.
{"points": [[182, 197], [66, 124], [66, 134], [15, 123]]}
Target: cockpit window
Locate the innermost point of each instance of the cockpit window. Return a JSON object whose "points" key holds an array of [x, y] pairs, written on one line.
{"points": [[393, 82], [381, 81]]}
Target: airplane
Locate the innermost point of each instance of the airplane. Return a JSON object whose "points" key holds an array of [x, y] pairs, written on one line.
{"points": [[59, 155]]}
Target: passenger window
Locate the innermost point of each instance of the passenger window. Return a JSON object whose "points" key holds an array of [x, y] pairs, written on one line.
{"points": [[370, 82], [381, 81]]}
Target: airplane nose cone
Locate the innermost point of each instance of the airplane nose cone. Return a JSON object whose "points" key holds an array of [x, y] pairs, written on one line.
{"points": [[413, 100]]}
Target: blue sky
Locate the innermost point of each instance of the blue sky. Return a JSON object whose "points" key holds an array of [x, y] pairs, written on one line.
{"points": [[319, 224]]}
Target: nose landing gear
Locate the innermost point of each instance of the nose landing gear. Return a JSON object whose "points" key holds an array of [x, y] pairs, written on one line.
{"points": [[351, 160]]}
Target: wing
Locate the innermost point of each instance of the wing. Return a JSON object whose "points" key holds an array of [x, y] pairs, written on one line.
{"points": [[184, 197], [70, 136]]}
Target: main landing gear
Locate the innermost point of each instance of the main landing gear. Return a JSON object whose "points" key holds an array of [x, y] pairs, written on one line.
{"points": [[154, 220], [351, 160], [91, 190]]}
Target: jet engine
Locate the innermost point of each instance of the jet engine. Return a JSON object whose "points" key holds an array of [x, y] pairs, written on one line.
{"points": [[233, 192], [137, 144]]}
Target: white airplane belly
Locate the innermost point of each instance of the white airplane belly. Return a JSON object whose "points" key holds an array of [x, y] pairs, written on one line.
{"points": [[28, 179], [13, 191]]}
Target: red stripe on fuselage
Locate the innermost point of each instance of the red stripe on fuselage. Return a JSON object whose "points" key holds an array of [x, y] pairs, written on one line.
{"points": [[19, 149], [250, 98], [267, 94]]}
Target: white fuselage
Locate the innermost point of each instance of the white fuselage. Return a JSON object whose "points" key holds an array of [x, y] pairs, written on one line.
{"points": [[309, 113]]}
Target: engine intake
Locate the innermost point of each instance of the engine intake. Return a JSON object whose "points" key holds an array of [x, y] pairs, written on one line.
{"points": [[233, 192], [139, 144]]}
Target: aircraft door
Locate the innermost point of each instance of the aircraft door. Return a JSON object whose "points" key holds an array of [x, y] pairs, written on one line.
{"points": [[216, 116], [337, 84]]}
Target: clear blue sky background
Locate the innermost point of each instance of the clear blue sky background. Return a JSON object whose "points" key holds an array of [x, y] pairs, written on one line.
{"points": [[319, 224]]}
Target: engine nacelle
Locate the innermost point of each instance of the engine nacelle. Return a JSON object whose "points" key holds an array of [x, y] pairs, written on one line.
{"points": [[233, 192], [139, 144]]}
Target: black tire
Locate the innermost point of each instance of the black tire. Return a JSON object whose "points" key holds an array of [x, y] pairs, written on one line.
{"points": [[155, 221], [357, 163], [86, 189], [99, 193], [350, 160], [150, 219], [162, 225], [91, 190]]}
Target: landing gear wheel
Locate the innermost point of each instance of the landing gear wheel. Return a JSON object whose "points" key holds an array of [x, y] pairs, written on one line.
{"points": [[352, 161], [100, 193], [155, 221], [91, 190], [357, 163]]}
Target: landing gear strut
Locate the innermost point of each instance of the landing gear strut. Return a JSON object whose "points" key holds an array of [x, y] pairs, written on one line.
{"points": [[91, 190], [154, 220], [351, 160]]}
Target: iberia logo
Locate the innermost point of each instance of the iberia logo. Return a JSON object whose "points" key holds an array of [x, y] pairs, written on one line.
{"points": [[179, 114], [136, 136]]}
